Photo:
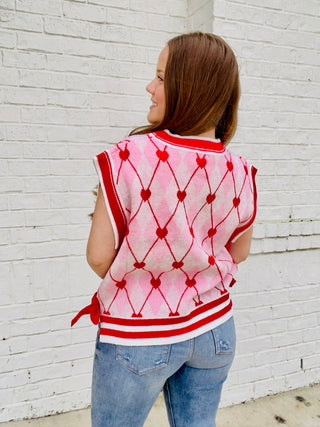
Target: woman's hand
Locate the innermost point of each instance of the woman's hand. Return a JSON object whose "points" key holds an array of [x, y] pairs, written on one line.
{"points": [[101, 243]]}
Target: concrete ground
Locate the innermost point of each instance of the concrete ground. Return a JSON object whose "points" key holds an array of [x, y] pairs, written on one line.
{"points": [[296, 408]]}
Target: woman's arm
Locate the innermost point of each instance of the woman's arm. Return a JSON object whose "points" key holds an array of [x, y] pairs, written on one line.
{"points": [[101, 243], [240, 249]]}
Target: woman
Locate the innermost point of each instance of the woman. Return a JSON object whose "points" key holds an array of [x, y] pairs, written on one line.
{"points": [[172, 220]]}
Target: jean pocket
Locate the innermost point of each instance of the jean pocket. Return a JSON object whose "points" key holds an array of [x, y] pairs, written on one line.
{"points": [[224, 337], [143, 359]]}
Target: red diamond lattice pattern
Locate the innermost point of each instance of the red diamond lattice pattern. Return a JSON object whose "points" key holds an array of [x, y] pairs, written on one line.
{"points": [[181, 206]]}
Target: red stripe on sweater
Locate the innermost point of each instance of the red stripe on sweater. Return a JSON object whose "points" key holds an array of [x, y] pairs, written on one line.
{"points": [[202, 144], [166, 333], [240, 230], [167, 321], [112, 196]]}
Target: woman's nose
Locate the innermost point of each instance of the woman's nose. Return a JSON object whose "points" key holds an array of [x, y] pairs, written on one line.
{"points": [[150, 87]]}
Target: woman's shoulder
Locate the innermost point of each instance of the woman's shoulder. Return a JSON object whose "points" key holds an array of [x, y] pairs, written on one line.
{"points": [[127, 147], [134, 139], [237, 162]]}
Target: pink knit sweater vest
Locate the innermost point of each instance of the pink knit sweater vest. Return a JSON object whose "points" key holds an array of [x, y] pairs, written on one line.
{"points": [[175, 203]]}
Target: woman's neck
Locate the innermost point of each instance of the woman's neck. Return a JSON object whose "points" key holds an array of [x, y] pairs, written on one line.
{"points": [[211, 133]]}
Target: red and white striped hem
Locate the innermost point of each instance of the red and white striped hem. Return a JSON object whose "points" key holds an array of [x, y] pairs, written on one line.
{"points": [[136, 332]]}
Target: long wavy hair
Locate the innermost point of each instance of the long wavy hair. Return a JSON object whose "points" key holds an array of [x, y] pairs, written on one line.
{"points": [[201, 85]]}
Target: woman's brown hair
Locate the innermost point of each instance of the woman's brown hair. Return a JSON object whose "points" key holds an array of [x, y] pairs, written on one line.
{"points": [[201, 86]]}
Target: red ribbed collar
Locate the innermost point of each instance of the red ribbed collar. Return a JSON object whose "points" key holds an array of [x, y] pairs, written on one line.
{"points": [[191, 142]]}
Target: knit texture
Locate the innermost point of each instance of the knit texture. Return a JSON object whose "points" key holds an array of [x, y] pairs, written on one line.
{"points": [[175, 203]]}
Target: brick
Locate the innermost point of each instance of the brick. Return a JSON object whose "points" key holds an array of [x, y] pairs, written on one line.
{"points": [[45, 218], [286, 368], [134, 120], [58, 116], [56, 44], [58, 273], [81, 366], [301, 212], [42, 43], [126, 53], [70, 167], [66, 27], [253, 374], [68, 63], [7, 396], [306, 321], [68, 99], [7, 4], [59, 370], [302, 22], [21, 281], [84, 47], [21, 21], [23, 60], [70, 200], [49, 7], [84, 152], [311, 336], [23, 96], [160, 8], [2, 132], [243, 13], [53, 249], [110, 33], [26, 360], [43, 341], [133, 19], [28, 167], [90, 83], [7, 39], [304, 56], [123, 4], [25, 132], [300, 351], [202, 16], [147, 72], [67, 133], [18, 378], [3, 167], [311, 8], [36, 150], [156, 22], [229, 29], [42, 79], [194, 6], [86, 334], [110, 68], [15, 219], [149, 38], [6, 292], [84, 12], [29, 235], [56, 151], [83, 183], [4, 237], [178, 8], [28, 201], [9, 114], [77, 351]]}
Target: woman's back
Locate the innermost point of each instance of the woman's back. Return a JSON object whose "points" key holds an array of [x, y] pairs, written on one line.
{"points": [[175, 202]]}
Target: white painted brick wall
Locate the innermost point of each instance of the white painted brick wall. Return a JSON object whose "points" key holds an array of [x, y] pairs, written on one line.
{"points": [[73, 76]]}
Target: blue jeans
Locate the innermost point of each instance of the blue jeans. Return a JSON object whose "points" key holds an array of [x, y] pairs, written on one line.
{"points": [[127, 380]]}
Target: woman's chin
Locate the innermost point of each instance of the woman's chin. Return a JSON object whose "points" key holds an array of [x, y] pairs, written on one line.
{"points": [[153, 117], [152, 121]]}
